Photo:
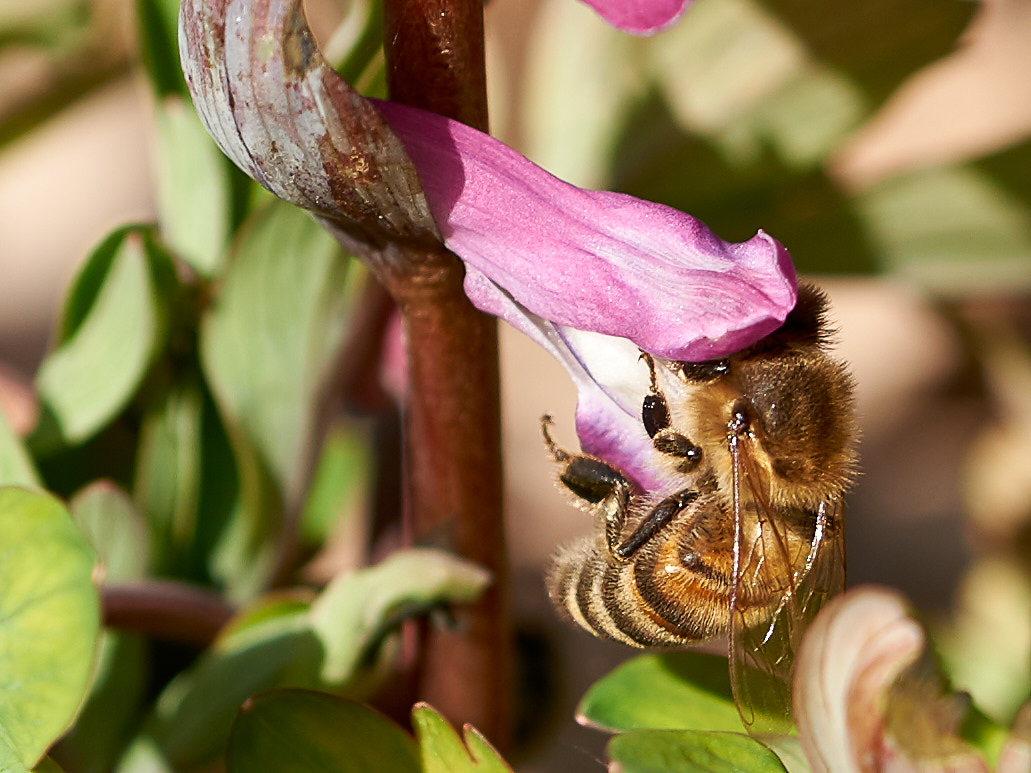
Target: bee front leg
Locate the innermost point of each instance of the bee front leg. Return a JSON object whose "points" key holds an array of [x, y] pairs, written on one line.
{"points": [[600, 487], [658, 424]]}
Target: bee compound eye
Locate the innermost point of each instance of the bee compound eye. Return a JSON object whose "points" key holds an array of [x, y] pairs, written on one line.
{"points": [[655, 414]]}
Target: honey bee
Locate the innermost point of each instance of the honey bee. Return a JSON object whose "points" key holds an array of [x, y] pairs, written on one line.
{"points": [[748, 535]]}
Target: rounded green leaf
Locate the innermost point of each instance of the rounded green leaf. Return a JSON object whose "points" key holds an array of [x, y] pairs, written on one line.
{"points": [[674, 691], [685, 751], [111, 332], [299, 731], [109, 521], [49, 620], [195, 712]]}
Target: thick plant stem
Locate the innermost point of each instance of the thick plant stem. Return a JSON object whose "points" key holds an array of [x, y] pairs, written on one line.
{"points": [[434, 51]]}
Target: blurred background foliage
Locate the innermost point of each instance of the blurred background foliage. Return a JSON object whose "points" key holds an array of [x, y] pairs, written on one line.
{"points": [[207, 413]]}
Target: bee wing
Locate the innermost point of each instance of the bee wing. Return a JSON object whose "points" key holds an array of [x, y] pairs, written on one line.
{"points": [[780, 583]]}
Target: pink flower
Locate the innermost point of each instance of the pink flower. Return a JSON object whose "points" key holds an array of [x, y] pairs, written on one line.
{"points": [[593, 276], [640, 17]]}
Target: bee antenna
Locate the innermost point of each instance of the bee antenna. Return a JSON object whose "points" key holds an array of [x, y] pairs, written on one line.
{"points": [[654, 383], [556, 453]]}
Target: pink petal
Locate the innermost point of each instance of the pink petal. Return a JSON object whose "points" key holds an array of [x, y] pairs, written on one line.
{"points": [[592, 260], [639, 17]]}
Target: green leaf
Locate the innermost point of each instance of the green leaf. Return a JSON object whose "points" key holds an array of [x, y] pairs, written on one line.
{"points": [[358, 42], [285, 642], [10, 761], [143, 756], [159, 46], [672, 691], [47, 765], [111, 714], [112, 329], [195, 712], [267, 347], [953, 229], [297, 731], [357, 608], [685, 751], [106, 517], [876, 44], [338, 488], [273, 333], [53, 24], [16, 468], [185, 481], [49, 621], [194, 193], [442, 751]]}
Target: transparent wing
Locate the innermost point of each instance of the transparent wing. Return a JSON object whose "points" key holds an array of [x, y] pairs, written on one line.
{"points": [[786, 565]]}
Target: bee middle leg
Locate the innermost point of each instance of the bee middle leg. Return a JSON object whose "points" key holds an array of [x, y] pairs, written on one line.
{"points": [[602, 488], [653, 523]]}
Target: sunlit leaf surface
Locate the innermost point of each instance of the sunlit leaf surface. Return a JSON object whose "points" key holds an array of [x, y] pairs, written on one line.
{"points": [[672, 751], [49, 620], [674, 691]]}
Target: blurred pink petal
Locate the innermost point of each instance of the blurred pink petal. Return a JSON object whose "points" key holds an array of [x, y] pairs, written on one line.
{"points": [[850, 656], [639, 17], [1016, 752], [854, 709], [17, 401]]}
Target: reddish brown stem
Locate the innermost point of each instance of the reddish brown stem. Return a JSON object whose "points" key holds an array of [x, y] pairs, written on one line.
{"points": [[435, 59], [166, 610], [434, 51]]}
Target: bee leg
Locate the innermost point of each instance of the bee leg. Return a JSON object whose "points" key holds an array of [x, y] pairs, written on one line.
{"points": [[661, 515], [601, 487], [659, 425]]}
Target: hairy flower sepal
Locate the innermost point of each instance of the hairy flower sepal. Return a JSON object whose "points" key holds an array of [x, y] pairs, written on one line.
{"points": [[594, 276]]}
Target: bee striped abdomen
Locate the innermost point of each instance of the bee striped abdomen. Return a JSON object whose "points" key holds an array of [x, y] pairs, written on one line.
{"points": [[674, 590]]}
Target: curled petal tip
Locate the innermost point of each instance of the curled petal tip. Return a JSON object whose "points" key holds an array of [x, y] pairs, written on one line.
{"points": [[851, 654], [866, 700]]}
